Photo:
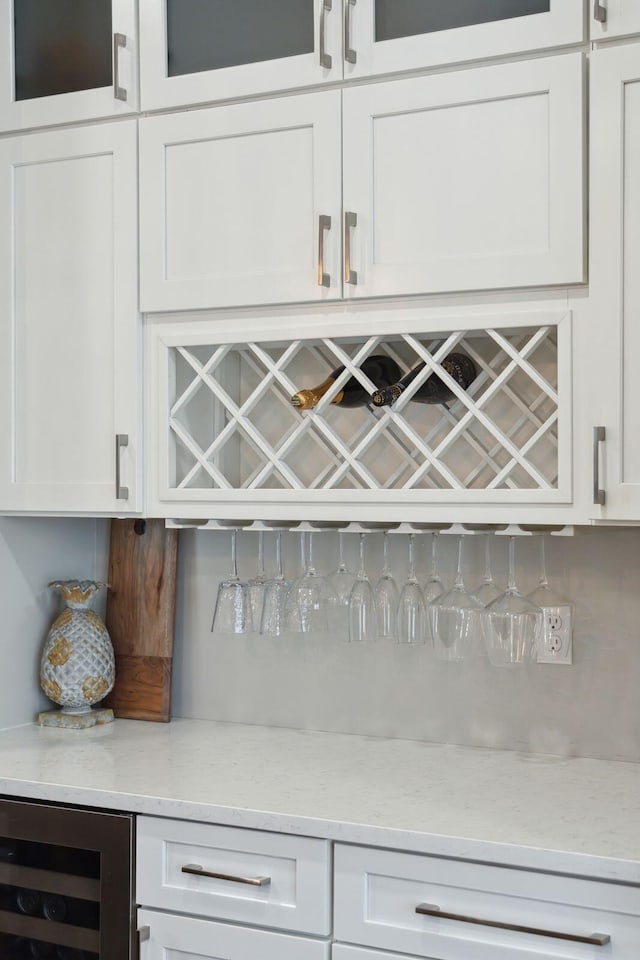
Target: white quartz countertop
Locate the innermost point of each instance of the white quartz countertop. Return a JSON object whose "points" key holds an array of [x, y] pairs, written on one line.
{"points": [[568, 815]]}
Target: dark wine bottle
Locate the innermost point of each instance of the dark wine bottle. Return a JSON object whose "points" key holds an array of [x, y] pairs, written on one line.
{"points": [[380, 369], [433, 390], [70, 953], [54, 907], [28, 901]]}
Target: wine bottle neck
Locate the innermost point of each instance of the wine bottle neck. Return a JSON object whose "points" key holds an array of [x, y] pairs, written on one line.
{"points": [[307, 399]]}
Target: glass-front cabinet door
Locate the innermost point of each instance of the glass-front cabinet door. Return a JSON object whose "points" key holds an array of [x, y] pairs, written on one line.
{"points": [[63, 61], [385, 36], [196, 51]]}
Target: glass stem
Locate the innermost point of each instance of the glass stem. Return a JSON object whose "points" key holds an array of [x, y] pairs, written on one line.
{"points": [[459, 578], [261, 555], [434, 556], [362, 572], [386, 570], [512, 566], [543, 564], [488, 578], [412, 559], [341, 564], [234, 564], [303, 556], [279, 570], [310, 568]]}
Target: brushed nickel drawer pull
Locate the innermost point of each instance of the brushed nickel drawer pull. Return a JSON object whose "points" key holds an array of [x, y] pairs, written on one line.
{"points": [[119, 43], [350, 221], [198, 871], [324, 280], [350, 54], [596, 939], [325, 58], [599, 494]]}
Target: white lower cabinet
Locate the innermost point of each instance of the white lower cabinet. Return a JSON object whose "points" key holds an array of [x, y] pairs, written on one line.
{"points": [[455, 910], [166, 936], [69, 334], [340, 952]]}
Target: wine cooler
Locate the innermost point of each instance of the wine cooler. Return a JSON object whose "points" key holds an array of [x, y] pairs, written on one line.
{"points": [[65, 883]]}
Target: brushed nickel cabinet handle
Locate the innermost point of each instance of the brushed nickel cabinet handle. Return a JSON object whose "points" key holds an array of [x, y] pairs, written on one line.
{"points": [[122, 440], [599, 495], [350, 54], [119, 42], [325, 58], [198, 871], [324, 223], [595, 939], [599, 12], [350, 221]]}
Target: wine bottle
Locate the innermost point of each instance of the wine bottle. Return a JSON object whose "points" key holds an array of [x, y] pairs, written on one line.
{"points": [[54, 907], [380, 369], [28, 901], [433, 390]]}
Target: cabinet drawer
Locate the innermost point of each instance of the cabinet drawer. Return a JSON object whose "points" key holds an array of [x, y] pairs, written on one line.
{"points": [[185, 937], [377, 893], [260, 878]]}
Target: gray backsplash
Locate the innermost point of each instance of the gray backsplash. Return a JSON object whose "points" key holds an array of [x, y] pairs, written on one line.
{"points": [[323, 683]]}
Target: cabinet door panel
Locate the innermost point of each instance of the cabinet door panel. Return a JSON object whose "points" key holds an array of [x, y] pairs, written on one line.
{"points": [[231, 200], [172, 937], [388, 36], [467, 181], [193, 51], [57, 61], [69, 335], [619, 18], [615, 284]]}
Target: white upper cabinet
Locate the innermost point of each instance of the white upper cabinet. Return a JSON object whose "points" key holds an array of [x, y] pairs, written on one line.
{"points": [[614, 18], [615, 279], [241, 204], [66, 61], [465, 181], [388, 36], [69, 331], [192, 51]]}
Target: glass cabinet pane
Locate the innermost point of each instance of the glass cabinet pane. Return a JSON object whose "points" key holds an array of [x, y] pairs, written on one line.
{"points": [[61, 46], [211, 34], [406, 18]]}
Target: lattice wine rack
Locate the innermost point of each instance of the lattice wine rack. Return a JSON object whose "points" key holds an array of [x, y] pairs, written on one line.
{"points": [[228, 431]]}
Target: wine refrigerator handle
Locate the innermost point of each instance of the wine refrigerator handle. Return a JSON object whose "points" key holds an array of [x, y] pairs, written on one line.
{"points": [[324, 223], [122, 440], [325, 58], [119, 42], [350, 221], [599, 495], [350, 54], [599, 12]]}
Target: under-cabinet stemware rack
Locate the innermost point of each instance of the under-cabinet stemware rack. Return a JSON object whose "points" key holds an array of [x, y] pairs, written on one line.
{"points": [[455, 529]]}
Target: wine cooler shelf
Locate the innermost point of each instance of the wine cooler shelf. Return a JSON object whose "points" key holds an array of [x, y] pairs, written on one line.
{"points": [[474, 414]]}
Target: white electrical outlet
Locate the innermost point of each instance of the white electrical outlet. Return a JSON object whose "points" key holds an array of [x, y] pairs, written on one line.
{"points": [[556, 645]]}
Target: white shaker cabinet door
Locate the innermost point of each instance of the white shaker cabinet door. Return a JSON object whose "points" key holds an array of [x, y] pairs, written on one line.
{"points": [[614, 18], [391, 36], [615, 279], [69, 329], [466, 181], [198, 52], [241, 204], [66, 61]]}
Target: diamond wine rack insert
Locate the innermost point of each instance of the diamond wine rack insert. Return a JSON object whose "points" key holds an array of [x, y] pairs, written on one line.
{"points": [[232, 426]]}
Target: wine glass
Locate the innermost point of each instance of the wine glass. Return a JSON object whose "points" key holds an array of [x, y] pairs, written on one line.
{"points": [[342, 579], [411, 610], [275, 595], [434, 586], [556, 610], [311, 602], [232, 613], [386, 597], [488, 589], [511, 624], [257, 586], [454, 618], [362, 605]]}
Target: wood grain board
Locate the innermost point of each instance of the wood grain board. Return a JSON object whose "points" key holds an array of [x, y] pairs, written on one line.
{"points": [[143, 562]]}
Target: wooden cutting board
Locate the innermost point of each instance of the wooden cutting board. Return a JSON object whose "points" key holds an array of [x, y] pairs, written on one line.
{"points": [[141, 601]]}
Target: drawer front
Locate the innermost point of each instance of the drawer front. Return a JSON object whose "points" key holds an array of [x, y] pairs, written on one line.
{"points": [[265, 879], [341, 952], [185, 938], [377, 893]]}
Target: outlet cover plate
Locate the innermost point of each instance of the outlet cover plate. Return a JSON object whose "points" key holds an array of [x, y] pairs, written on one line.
{"points": [[557, 639]]}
